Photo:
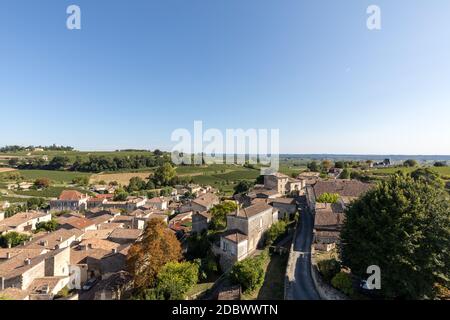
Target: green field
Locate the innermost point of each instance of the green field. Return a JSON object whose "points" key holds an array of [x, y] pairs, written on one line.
{"points": [[50, 192], [62, 177]]}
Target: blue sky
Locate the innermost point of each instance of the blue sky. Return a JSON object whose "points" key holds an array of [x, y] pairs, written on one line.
{"points": [[140, 69]]}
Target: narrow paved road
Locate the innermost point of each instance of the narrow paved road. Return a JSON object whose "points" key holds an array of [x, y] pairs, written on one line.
{"points": [[304, 288]]}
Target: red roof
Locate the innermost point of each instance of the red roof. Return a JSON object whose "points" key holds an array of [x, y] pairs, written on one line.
{"points": [[71, 195]]}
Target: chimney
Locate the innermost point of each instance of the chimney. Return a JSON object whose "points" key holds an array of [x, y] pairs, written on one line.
{"points": [[27, 261], [60, 239], [114, 251], [8, 255]]}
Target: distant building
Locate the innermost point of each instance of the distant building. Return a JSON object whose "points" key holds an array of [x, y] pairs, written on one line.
{"points": [[282, 183], [70, 200]]}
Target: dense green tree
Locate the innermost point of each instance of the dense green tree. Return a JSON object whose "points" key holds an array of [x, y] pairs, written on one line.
{"points": [[120, 195], [402, 226], [42, 183], [275, 231], [13, 239], [427, 175], [48, 226], [136, 184], [410, 163], [345, 174], [313, 166], [440, 164], [243, 187], [163, 175], [59, 162], [250, 272], [176, 278], [219, 214], [339, 164]]}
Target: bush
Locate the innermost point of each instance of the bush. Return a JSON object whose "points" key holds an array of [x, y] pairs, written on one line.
{"points": [[250, 273], [276, 230], [329, 269], [343, 282], [328, 198]]}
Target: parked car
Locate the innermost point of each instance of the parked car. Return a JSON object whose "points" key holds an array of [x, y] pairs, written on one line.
{"points": [[90, 284]]}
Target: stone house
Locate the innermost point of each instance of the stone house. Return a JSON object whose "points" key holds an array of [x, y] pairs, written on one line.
{"points": [[246, 228], [70, 200], [282, 183], [200, 221]]}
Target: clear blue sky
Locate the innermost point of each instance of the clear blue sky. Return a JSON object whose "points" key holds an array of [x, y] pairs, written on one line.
{"points": [[140, 69]]}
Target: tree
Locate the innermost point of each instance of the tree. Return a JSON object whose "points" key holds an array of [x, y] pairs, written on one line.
{"points": [[250, 272], [219, 214], [59, 162], [345, 174], [243, 187], [136, 184], [13, 239], [440, 164], [120, 195], [259, 180], [42, 183], [339, 164], [402, 226], [328, 198], [326, 165], [48, 226], [176, 278], [275, 231], [344, 283], [410, 163], [313, 166], [82, 181], [329, 268], [13, 162], [163, 175], [147, 257], [427, 175], [36, 204]]}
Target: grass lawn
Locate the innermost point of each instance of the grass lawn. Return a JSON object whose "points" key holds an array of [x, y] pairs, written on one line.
{"points": [[55, 176], [12, 199], [273, 287]]}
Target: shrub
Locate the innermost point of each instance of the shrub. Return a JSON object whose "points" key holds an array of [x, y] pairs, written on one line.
{"points": [[250, 273], [343, 282], [329, 268], [328, 198]]}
